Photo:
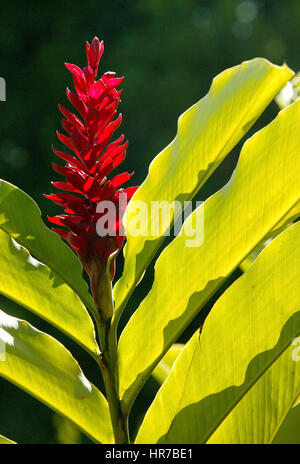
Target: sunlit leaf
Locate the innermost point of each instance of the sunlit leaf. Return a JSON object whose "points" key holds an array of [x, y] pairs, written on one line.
{"points": [[164, 366], [236, 381], [32, 284], [44, 368], [206, 134], [20, 217], [289, 432], [264, 187], [6, 441], [285, 222]]}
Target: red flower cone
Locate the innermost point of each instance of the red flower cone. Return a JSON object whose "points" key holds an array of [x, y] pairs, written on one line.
{"points": [[87, 170]]}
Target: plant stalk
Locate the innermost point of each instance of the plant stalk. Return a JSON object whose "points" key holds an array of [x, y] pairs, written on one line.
{"points": [[108, 359], [119, 422]]}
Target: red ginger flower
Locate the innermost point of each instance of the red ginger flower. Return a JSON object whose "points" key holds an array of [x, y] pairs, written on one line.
{"points": [[95, 158]]}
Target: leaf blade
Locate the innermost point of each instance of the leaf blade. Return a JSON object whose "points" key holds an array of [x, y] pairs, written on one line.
{"points": [[20, 217], [235, 100], [45, 369], [34, 286], [6, 441], [289, 432], [236, 220], [164, 367], [244, 353]]}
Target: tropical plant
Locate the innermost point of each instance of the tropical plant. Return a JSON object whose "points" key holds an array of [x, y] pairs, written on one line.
{"points": [[237, 380]]}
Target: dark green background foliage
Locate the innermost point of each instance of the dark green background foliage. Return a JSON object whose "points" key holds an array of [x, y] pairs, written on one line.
{"points": [[168, 50]]}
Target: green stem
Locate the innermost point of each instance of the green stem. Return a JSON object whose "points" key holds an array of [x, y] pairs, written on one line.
{"points": [[108, 361], [119, 422]]}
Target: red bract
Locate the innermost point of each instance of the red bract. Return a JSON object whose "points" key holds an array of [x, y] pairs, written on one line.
{"points": [[96, 156]]}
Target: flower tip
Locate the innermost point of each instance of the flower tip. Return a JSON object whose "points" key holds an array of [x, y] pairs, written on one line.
{"points": [[96, 43], [72, 67]]}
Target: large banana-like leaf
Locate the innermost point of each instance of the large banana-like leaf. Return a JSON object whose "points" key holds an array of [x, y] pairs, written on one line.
{"points": [[32, 284], [44, 368], [164, 366], [285, 222], [206, 134], [21, 218], [283, 99], [6, 441], [236, 381], [289, 432], [263, 189]]}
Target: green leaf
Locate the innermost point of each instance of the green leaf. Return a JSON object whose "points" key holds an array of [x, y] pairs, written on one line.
{"points": [[285, 222], [264, 187], [6, 441], [44, 368], [206, 134], [236, 381], [164, 367], [289, 432], [20, 217], [33, 285]]}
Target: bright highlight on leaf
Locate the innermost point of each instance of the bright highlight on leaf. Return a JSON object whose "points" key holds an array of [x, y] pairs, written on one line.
{"points": [[6, 441], [163, 369]]}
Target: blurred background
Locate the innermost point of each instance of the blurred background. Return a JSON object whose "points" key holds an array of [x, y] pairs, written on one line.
{"points": [[168, 51]]}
